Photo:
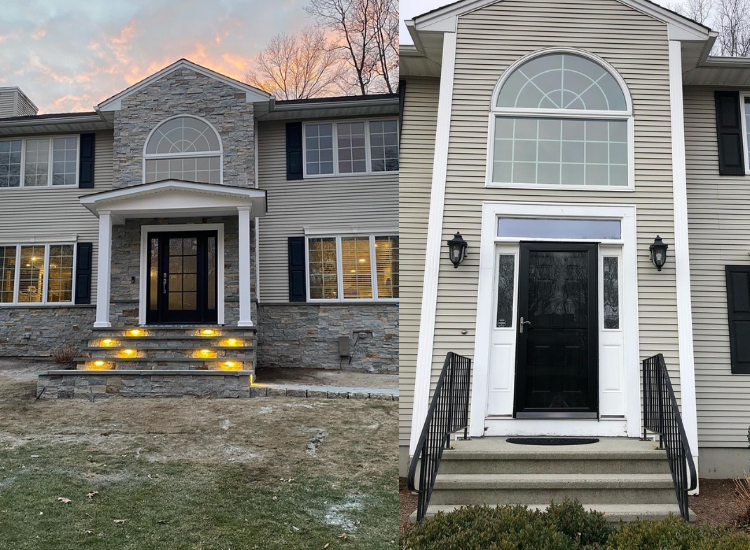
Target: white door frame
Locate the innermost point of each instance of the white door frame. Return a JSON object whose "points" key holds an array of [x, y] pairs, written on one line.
{"points": [[146, 229], [491, 211]]}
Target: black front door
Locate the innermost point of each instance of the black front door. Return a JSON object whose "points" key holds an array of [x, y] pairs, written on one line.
{"points": [[557, 357], [182, 277]]}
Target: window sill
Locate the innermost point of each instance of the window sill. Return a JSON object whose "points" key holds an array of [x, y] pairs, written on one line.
{"points": [[28, 187], [45, 306], [353, 174], [351, 301]]}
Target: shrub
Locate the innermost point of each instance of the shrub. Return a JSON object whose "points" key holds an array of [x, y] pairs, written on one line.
{"points": [[675, 534], [64, 354], [565, 526], [742, 488]]}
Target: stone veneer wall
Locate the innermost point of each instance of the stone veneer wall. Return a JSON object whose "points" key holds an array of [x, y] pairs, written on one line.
{"points": [[126, 246], [185, 91], [50, 328], [306, 335]]}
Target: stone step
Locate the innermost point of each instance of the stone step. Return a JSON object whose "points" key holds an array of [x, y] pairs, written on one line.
{"points": [[467, 462], [246, 353], [613, 513], [175, 363], [462, 489], [173, 330]]}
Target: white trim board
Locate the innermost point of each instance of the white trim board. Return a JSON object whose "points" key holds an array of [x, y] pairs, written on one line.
{"points": [[143, 283], [681, 250], [485, 306], [434, 243]]}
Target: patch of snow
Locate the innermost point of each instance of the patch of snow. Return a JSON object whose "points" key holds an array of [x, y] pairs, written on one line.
{"points": [[337, 513]]}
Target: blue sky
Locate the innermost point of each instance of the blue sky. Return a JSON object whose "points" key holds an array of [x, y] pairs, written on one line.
{"points": [[68, 55]]}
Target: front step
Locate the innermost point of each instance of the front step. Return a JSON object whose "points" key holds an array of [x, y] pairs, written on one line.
{"points": [[175, 347], [613, 513], [620, 476], [546, 488]]}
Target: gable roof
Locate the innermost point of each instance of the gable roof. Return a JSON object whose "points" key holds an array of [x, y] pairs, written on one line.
{"points": [[252, 94], [443, 19]]}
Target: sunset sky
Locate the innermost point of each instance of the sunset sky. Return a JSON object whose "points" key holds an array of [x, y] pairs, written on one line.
{"points": [[69, 55]]}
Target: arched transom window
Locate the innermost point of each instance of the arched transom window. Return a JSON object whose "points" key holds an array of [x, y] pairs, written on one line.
{"points": [[184, 148], [561, 118]]}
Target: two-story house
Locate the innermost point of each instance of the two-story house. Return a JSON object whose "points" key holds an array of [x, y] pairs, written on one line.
{"points": [[191, 227], [594, 159]]}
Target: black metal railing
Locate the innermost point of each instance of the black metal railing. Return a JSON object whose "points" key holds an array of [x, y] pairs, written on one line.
{"points": [[662, 416], [448, 413]]}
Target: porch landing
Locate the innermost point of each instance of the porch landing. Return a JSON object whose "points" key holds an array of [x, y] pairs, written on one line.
{"points": [[623, 478]]}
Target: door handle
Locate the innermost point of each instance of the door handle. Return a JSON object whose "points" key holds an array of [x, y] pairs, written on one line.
{"points": [[521, 323], [164, 284]]}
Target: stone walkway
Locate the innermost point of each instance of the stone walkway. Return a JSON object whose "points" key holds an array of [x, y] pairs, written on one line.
{"points": [[322, 392]]}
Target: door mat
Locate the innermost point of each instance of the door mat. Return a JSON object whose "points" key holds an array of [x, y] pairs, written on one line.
{"points": [[552, 440]]}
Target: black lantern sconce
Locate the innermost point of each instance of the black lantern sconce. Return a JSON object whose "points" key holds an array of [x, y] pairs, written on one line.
{"points": [[658, 253], [457, 249]]}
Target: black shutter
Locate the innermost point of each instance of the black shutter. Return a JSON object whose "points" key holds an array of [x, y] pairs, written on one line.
{"points": [[729, 134], [738, 308], [83, 273], [86, 167], [401, 100], [297, 286], [294, 151]]}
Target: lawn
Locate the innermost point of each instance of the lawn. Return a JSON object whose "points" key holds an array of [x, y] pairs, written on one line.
{"points": [[196, 473]]}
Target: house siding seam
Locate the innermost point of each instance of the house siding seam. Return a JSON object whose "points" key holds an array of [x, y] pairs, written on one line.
{"points": [[417, 153], [488, 41], [719, 233]]}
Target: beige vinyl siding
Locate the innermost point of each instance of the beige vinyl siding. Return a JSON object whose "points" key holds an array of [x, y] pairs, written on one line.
{"points": [[488, 41], [23, 107], [415, 182], [41, 212], [719, 233], [335, 202]]}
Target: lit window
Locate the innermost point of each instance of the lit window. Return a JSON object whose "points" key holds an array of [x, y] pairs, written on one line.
{"points": [[39, 162], [561, 119], [37, 274], [183, 148], [360, 147], [361, 267]]}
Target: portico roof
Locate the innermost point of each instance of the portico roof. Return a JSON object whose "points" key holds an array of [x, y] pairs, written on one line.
{"points": [[175, 199]]}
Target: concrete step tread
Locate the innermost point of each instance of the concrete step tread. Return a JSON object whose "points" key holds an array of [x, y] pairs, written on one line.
{"points": [[175, 337], [656, 454], [160, 359], [143, 348], [538, 481], [612, 512]]}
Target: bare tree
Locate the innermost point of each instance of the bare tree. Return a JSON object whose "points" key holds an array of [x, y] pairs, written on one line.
{"points": [[297, 67], [363, 30], [732, 21], [697, 10]]}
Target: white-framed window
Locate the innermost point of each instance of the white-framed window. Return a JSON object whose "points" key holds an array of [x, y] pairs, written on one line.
{"points": [[350, 147], [185, 148], [37, 273], [352, 267], [50, 161], [561, 118]]}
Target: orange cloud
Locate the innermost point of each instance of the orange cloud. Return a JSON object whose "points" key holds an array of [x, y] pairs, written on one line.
{"points": [[236, 61], [39, 34]]}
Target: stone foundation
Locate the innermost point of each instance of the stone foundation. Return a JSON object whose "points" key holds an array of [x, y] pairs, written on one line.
{"points": [[47, 328], [307, 335], [95, 385]]}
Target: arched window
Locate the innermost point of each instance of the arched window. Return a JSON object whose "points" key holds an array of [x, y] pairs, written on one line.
{"points": [[184, 148], [561, 118]]}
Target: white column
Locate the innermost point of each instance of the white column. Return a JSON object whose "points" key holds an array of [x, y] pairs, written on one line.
{"points": [[103, 275], [434, 242], [245, 303], [681, 253]]}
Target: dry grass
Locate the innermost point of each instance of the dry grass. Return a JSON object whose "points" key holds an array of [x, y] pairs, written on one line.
{"points": [[201, 444], [64, 355]]}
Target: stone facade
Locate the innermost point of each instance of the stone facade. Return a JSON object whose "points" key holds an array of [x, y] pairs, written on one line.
{"points": [[126, 246], [184, 91], [307, 335], [47, 328], [95, 385]]}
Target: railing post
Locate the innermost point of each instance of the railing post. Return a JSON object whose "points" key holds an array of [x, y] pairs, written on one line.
{"points": [[660, 402], [645, 397], [451, 381], [467, 383]]}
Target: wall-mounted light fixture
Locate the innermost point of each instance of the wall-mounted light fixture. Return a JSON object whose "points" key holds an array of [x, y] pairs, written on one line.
{"points": [[658, 253], [457, 249]]}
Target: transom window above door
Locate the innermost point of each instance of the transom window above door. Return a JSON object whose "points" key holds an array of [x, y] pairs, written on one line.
{"points": [[561, 118], [184, 148]]}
